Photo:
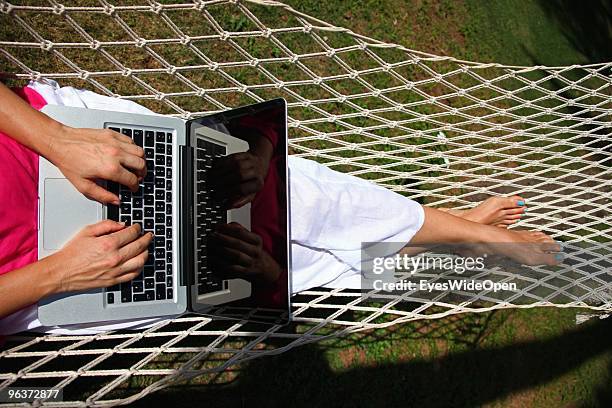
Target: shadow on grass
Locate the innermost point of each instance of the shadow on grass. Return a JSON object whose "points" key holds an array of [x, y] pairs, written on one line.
{"points": [[587, 25], [302, 377]]}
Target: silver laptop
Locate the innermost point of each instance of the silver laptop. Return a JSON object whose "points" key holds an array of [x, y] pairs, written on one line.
{"points": [[174, 201]]}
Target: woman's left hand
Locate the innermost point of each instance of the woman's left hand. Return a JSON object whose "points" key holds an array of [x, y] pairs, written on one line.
{"points": [[85, 156]]}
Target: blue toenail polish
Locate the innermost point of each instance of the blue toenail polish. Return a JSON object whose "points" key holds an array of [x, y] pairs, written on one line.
{"points": [[520, 203], [559, 257]]}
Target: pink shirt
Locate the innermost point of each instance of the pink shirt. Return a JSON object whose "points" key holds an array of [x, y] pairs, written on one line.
{"points": [[18, 197]]}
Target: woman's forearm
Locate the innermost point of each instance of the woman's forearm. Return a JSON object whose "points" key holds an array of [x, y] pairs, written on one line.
{"points": [[25, 286], [25, 124]]}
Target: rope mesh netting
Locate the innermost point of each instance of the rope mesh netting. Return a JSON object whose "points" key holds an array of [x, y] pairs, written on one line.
{"points": [[442, 131]]}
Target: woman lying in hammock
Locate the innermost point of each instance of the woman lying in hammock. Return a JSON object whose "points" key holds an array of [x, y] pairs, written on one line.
{"points": [[332, 213]]}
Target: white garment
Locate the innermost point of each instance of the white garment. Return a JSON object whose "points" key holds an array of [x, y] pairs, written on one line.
{"points": [[331, 215]]}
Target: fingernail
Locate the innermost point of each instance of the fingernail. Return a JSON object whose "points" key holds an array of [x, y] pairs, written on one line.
{"points": [[121, 223], [520, 203], [559, 257], [116, 202]]}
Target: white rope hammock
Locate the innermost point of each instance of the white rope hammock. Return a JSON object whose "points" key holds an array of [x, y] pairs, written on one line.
{"points": [[440, 130]]}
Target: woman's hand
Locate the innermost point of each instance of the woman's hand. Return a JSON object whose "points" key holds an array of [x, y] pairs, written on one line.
{"points": [[236, 252], [101, 255], [87, 155]]}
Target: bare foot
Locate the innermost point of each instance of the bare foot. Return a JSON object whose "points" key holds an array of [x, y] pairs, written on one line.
{"points": [[526, 247], [497, 211]]}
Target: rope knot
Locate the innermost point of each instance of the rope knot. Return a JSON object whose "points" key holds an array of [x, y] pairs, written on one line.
{"points": [[126, 72], [6, 8], [109, 9], [254, 62], [84, 75], [200, 92], [317, 81], [293, 59], [213, 66], [353, 74], [156, 8], [307, 28], [59, 9], [224, 36], [279, 85], [331, 53], [242, 89], [171, 70], [266, 33], [46, 45], [160, 97], [200, 5], [95, 45], [141, 42], [185, 40]]}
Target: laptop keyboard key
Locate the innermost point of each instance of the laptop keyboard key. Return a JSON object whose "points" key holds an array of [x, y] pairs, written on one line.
{"points": [[138, 137], [160, 291], [137, 286], [148, 224], [149, 139], [126, 292]]}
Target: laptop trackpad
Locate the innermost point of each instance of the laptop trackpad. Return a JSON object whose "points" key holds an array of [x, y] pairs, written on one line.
{"points": [[66, 212]]}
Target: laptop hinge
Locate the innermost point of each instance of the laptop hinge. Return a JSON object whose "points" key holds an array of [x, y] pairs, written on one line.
{"points": [[186, 216]]}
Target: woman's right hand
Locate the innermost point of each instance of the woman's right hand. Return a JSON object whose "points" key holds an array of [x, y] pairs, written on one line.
{"points": [[101, 255], [87, 155]]}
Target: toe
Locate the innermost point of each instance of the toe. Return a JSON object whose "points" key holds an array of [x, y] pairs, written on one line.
{"points": [[514, 211]]}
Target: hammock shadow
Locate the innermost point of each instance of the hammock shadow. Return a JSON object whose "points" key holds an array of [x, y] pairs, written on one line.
{"points": [[302, 377], [586, 25]]}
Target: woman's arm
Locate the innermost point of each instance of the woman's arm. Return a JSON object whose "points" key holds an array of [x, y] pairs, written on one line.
{"points": [[83, 155], [100, 255]]}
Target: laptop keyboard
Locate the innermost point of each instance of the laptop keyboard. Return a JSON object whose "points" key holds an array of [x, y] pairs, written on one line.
{"points": [[209, 213], [151, 207]]}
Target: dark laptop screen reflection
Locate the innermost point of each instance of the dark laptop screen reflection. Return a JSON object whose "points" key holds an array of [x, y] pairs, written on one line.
{"points": [[257, 177]]}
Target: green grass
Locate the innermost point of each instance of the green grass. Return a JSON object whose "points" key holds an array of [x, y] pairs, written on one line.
{"points": [[511, 358]]}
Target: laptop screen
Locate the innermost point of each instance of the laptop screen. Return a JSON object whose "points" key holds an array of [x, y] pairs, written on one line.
{"points": [[253, 179]]}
